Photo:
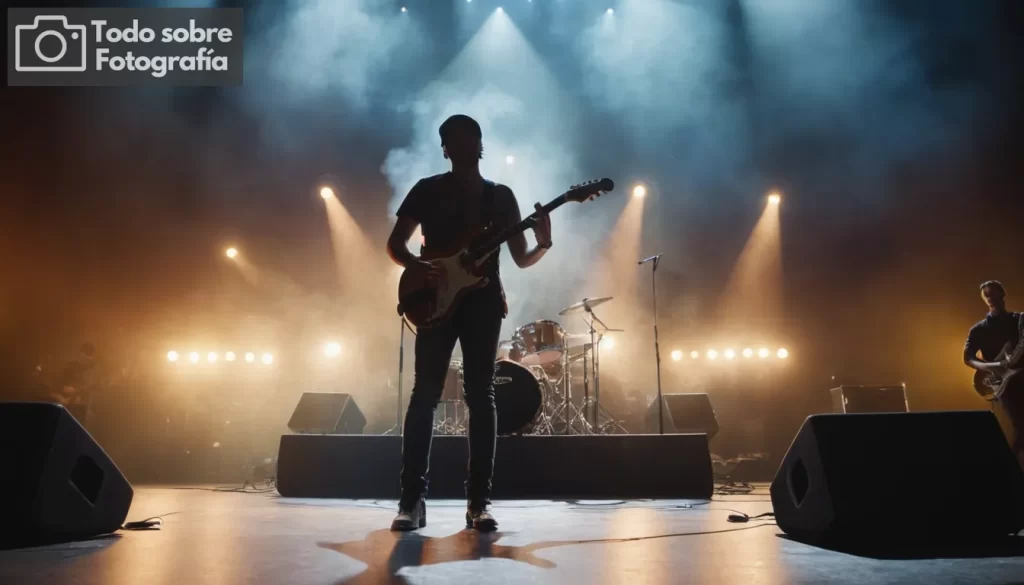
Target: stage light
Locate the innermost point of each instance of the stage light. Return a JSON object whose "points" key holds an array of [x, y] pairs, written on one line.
{"points": [[712, 354], [194, 357], [332, 349], [230, 356], [510, 159], [639, 191], [748, 352], [694, 354], [268, 359], [250, 357], [783, 353], [762, 353], [774, 198], [500, 10], [326, 192], [231, 253], [677, 355], [404, 9], [610, 11], [172, 356], [211, 357], [730, 354]]}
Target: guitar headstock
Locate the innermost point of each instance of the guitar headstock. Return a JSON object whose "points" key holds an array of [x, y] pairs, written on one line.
{"points": [[589, 190]]}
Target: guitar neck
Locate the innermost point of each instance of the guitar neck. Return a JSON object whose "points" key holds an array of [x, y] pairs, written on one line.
{"points": [[494, 242]]}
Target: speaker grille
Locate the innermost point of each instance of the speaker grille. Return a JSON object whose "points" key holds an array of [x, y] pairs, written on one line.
{"points": [[87, 477], [799, 482]]}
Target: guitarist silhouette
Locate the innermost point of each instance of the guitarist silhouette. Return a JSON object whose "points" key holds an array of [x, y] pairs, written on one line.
{"points": [[451, 209], [997, 338]]}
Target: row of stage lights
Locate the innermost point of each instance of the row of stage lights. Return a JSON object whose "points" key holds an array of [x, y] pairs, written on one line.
{"points": [[731, 354], [639, 191], [331, 349], [213, 357]]}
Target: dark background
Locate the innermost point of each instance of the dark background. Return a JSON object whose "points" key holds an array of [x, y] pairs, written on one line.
{"points": [[116, 203]]}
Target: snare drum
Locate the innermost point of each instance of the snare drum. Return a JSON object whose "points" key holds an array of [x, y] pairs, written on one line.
{"points": [[542, 342], [517, 397], [510, 350]]}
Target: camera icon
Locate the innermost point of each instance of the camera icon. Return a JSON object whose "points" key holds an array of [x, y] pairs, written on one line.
{"points": [[64, 48]]}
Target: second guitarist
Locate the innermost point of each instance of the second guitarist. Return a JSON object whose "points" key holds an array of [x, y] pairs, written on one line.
{"points": [[989, 337], [449, 208]]}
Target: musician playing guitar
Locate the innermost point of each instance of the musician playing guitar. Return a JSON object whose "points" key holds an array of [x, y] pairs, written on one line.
{"points": [[452, 209], [995, 337]]}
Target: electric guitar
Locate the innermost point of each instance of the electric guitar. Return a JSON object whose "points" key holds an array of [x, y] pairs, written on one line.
{"points": [[991, 385], [426, 305]]}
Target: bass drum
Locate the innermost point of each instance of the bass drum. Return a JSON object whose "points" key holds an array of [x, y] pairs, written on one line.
{"points": [[517, 397]]}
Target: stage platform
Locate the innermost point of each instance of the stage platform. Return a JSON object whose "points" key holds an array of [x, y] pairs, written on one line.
{"points": [[527, 467], [226, 538]]}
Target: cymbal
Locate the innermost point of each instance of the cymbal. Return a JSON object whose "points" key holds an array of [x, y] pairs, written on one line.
{"points": [[582, 305]]}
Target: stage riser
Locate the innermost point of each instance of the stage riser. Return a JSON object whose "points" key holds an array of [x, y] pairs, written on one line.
{"points": [[533, 467]]}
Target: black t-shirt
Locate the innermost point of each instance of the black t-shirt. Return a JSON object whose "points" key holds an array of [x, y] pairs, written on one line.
{"points": [[991, 334], [447, 214]]}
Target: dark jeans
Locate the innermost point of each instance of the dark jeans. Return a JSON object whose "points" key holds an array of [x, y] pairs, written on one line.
{"points": [[477, 325]]}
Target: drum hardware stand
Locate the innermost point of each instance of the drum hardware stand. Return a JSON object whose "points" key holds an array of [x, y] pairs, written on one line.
{"points": [[655, 260], [593, 405], [568, 412], [451, 425]]}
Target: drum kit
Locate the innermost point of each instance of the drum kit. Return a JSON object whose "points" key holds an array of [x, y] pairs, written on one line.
{"points": [[535, 375]]}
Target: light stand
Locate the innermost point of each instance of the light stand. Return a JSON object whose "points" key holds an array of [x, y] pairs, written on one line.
{"points": [[654, 260]]}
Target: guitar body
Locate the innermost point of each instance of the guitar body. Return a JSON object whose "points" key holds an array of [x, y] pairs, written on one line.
{"points": [[991, 385], [425, 305]]}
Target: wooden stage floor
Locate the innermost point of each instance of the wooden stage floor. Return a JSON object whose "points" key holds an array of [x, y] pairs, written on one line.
{"points": [[226, 538]]}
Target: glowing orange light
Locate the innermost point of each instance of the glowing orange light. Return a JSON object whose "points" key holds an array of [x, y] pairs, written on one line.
{"points": [[326, 192], [231, 253]]}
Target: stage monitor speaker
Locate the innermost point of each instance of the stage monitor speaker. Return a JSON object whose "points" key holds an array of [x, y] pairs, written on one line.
{"points": [[58, 484], [325, 413], [866, 479], [684, 413], [860, 399]]}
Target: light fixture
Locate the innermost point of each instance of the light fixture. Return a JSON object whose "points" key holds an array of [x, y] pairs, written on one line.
{"points": [[639, 191], [763, 353], [326, 192], [748, 353], [194, 357], [231, 253], [230, 356], [172, 356], [211, 357], [782, 354], [332, 349], [730, 354], [677, 355], [250, 357], [268, 359]]}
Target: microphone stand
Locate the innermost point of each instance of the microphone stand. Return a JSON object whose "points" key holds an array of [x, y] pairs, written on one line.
{"points": [[655, 260], [397, 429]]}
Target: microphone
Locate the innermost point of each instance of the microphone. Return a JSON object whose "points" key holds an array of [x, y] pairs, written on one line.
{"points": [[652, 258]]}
